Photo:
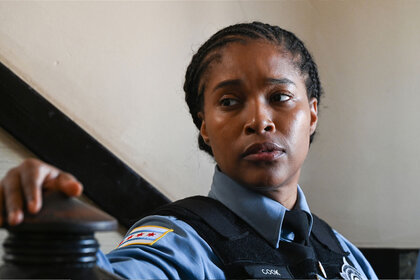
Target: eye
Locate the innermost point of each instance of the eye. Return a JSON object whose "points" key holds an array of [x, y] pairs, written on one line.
{"points": [[280, 97], [227, 102]]}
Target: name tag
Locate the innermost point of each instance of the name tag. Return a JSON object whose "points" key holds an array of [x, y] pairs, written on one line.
{"points": [[268, 271]]}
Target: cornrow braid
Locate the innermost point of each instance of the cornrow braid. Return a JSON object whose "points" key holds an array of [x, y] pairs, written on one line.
{"points": [[207, 53]]}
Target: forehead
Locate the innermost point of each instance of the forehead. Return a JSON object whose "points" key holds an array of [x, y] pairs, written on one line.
{"points": [[249, 59]]}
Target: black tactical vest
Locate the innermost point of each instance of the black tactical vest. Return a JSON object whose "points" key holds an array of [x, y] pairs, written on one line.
{"points": [[245, 254]]}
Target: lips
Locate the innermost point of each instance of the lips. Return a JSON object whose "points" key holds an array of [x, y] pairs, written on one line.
{"points": [[267, 151]]}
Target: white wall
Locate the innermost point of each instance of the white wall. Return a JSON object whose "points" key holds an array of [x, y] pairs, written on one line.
{"points": [[117, 68]]}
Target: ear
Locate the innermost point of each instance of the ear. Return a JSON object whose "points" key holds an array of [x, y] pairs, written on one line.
{"points": [[313, 107], [203, 129]]}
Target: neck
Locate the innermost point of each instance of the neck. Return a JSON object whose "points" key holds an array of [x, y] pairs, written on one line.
{"points": [[286, 196]]}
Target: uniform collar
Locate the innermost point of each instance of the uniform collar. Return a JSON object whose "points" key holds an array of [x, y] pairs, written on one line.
{"points": [[260, 212]]}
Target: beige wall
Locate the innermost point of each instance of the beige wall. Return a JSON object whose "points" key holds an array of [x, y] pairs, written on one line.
{"points": [[117, 68], [365, 164]]}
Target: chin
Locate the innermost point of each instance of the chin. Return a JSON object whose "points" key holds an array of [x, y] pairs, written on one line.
{"points": [[265, 183], [269, 179]]}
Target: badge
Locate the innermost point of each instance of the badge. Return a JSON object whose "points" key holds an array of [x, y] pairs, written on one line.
{"points": [[348, 272], [144, 235]]}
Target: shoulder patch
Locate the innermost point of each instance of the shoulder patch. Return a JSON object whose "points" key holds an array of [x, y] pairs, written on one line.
{"points": [[144, 235]]}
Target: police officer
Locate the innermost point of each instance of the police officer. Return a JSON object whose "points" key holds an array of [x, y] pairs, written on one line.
{"points": [[253, 92]]}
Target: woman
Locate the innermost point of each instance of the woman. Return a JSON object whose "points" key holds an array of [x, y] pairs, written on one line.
{"points": [[253, 92]]}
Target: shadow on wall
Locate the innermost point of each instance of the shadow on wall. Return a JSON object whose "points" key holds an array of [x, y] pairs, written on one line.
{"points": [[394, 263]]}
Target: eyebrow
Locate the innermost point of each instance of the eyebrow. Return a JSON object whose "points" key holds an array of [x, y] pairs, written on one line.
{"points": [[237, 82], [227, 83], [280, 81]]}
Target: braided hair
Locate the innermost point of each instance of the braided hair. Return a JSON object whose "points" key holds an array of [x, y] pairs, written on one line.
{"points": [[207, 53]]}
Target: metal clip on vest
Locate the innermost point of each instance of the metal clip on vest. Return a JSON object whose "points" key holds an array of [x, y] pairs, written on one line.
{"points": [[58, 242]]}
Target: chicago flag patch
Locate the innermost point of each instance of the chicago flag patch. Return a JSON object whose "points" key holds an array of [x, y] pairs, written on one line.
{"points": [[145, 235]]}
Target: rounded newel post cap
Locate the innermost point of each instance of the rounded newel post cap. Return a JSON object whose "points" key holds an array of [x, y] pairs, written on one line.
{"points": [[62, 213]]}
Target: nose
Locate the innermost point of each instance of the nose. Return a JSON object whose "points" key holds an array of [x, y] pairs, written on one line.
{"points": [[259, 119]]}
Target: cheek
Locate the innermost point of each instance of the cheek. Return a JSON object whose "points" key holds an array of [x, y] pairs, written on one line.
{"points": [[220, 133], [224, 132], [222, 127], [303, 124], [297, 130]]}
